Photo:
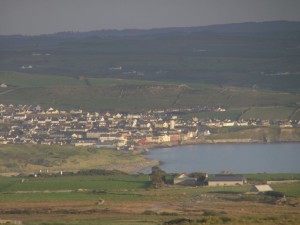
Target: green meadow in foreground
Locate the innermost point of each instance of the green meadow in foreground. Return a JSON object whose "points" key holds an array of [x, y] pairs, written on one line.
{"points": [[129, 199]]}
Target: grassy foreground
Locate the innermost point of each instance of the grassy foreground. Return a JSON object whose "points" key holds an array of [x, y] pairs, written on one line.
{"points": [[128, 199], [33, 158]]}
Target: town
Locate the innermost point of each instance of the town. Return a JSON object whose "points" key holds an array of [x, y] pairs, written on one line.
{"points": [[22, 124]]}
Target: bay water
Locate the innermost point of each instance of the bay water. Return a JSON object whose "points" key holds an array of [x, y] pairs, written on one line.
{"points": [[237, 158]]}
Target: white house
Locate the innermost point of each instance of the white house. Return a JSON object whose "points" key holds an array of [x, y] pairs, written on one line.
{"points": [[184, 179], [261, 188]]}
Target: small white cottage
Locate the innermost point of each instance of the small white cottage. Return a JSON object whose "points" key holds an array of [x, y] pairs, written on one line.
{"points": [[261, 188]]}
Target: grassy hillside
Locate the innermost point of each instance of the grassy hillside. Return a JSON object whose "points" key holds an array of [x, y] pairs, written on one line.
{"points": [[271, 113], [33, 158], [101, 94], [270, 134], [261, 59]]}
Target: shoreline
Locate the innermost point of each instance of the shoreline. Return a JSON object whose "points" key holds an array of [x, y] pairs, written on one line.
{"points": [[137, 167]]}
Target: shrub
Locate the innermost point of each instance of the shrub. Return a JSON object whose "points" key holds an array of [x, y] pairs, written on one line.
{"points": [[186, 221], [225, 219], [149, 212], [210, 213], [276, 194], [179, 221], [168, 214], [100, 172]]}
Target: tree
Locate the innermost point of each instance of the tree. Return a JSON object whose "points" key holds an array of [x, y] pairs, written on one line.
{"points": [[200, 176], [157, 176]]}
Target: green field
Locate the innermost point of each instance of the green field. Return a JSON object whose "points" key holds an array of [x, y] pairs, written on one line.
{"points": [[129, 199], [105, 183], [33, 158], [102, 94], [296, 115], [231, 114], [274, 176], [268, 113]]}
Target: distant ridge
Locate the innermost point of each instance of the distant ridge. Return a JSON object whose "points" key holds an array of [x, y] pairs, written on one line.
{"points": [[247, 27], [272, 26]]}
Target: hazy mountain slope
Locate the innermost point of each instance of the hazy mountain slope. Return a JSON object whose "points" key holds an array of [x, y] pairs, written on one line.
{"points": [[248, 54]]}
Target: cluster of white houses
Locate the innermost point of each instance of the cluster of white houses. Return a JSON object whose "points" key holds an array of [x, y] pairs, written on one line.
{"points": [[31, 124]]}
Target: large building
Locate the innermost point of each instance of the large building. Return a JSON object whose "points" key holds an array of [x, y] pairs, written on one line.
{"points": [[226, 180]]}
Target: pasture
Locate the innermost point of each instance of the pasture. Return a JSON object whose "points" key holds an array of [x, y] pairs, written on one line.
{"points": [[296, 115], [128, 199], [33, 158], [231, 114], [268, 113], [122, 95]]}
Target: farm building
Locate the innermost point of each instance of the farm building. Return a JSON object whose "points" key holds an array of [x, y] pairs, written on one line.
{"points": [[226, 180], [184, 179], [261, 188]]}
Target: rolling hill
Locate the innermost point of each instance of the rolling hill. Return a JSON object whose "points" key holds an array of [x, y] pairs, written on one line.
{"points": [[263, 55], [123, 95]]}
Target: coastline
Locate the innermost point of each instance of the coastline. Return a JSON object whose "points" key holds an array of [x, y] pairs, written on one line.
{"points": [[145, 162]]}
